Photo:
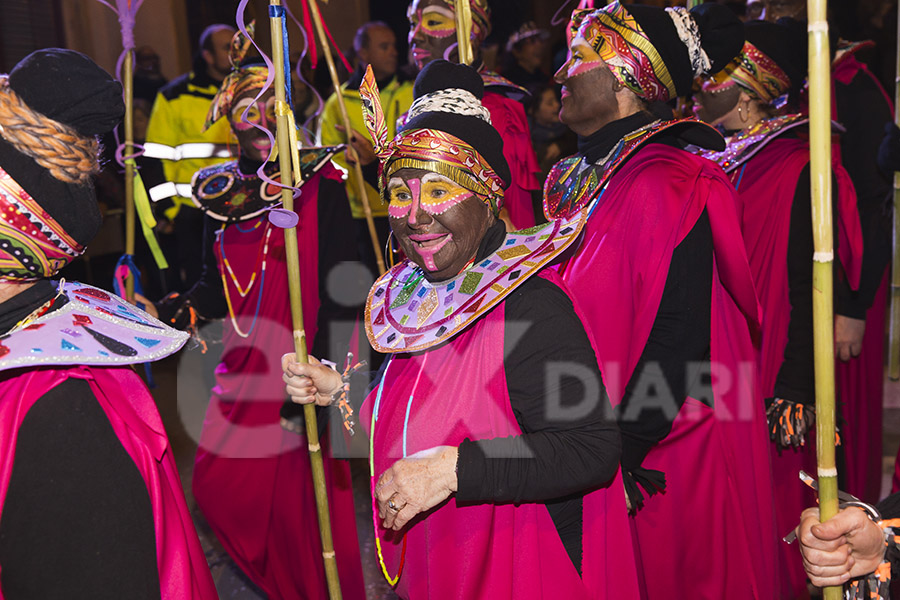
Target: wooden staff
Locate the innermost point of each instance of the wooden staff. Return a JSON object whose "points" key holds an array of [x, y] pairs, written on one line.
{"points": [[692, 3], [293, 268], [128, 85], [823, 259], [464, 31], [357, 168], [894, 345]]}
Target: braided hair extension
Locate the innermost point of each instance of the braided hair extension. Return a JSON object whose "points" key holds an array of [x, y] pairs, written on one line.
{"points": [[67, 155]]}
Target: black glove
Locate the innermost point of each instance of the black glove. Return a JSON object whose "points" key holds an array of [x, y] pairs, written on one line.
{"points": [[789, 422]]}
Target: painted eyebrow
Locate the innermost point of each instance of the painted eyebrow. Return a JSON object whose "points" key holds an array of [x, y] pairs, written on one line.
{"points": [[436, 177], [395, 182], [439, 10]]}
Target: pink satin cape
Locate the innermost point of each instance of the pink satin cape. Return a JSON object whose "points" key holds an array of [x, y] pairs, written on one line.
{"points": [[508, 118], [252, 479], [766, 185], [712, 534], [183, 572], [489, 551]]}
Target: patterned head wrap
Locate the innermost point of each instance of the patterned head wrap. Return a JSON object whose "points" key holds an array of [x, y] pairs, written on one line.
{"points": [[481, 18], [33, 245], [653, 52], [433, 148], [239, 80], [758, 75]]}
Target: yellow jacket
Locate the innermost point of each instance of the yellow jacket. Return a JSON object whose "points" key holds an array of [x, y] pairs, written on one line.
{"points": [[175, 136], [396, 98]]}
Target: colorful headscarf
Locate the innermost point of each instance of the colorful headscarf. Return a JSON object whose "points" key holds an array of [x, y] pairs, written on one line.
{"points": [[481, 18], [33, 245], [758, 74], [429, 149], [620, 41], [238, 80]]}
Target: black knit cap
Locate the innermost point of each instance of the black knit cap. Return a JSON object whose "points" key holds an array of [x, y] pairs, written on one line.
{"points": [[721, 36], [72, 89], [784, 42], [441, 74]]}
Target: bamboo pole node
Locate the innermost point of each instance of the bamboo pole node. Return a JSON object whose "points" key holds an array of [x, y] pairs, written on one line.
{"points": [[832, 472], [328, 555], [314, 447], [823, 257], [817, 27], [299, 335]]}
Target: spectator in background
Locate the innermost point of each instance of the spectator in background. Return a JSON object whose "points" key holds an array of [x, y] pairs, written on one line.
{"points": [[147, 76], [552, 139], [375, 44], [525, 52], [175, 135]]}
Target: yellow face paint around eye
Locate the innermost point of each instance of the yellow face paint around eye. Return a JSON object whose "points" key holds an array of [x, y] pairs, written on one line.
{"points": [[400, 202], [436, 22], [435, 196]]}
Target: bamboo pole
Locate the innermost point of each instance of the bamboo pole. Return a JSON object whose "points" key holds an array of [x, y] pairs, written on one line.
{"points": [[823, 260], [357, 168], [128, 85], [463, 14], [693, 3], [293, 269], [894, 343]]}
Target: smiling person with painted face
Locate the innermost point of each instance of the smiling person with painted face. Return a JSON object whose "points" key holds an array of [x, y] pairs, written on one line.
{"points": [[491, 440], [664, 282], [432, 36], [252, 477]]}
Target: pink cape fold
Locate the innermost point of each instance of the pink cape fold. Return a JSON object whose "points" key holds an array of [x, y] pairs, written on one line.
{"points": [[183, 572], [252, 479], [766, 185], [717, 509], [508, 118], [496, 552]]}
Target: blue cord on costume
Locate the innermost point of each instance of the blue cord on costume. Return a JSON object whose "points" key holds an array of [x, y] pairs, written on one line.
{"points": [[740, 177], [128, 261]]}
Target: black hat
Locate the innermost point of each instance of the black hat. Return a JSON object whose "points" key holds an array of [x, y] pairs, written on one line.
{"points": [[448, 98], [720, 35], [784, 42], [69, 89]]}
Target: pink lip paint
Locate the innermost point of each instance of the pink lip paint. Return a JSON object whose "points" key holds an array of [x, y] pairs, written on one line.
{"points": [[427, 253]]}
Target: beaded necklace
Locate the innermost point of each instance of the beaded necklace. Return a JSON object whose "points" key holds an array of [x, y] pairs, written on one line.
{"points": [[391, 580], [243, 292]]}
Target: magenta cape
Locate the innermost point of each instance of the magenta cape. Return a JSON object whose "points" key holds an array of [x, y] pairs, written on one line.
{"points": [[183, 572], [508, 118], [489, 551], [252, 478], [860, 381], [766, 185], [712, 534]]}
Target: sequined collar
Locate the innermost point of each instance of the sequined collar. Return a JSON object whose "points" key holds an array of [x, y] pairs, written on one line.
{"points": [[406, 313], [745, 144], [574, 182], [227, 194], [93, 327]]}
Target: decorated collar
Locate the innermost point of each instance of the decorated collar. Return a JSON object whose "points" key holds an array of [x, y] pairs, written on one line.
{"points": [[745, 144], [226, 194], [32, 244], [574, 183], [497, 83], [93, 328], [407, 313]]}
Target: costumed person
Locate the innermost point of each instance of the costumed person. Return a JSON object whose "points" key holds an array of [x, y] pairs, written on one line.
{"points": [[767, 159], [88, 483], [252, 477], [432, 35], [176, 136], [375, 44], [857, 548], [678, 324], [863, 109], [485, 485]]}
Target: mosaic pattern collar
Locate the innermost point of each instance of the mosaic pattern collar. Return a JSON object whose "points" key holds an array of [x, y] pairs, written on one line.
{"points": [[407, 313], [574, 182], [226, 194], [745, 144], [93, 328]]}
